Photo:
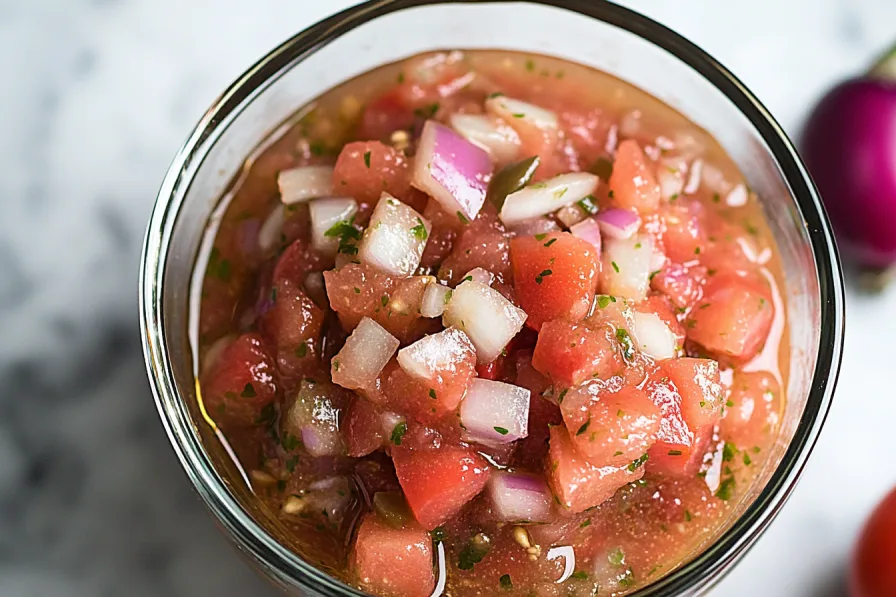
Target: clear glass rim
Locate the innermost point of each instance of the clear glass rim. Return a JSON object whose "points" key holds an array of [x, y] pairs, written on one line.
{"points": [[254, 538]]}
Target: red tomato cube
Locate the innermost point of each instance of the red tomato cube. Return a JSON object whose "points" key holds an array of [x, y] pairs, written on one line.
{"points": [[365, 169], [754, 409], [240, 382], [682, 460], [577, 483], [610, 427], [362, 428], [633, 184], [437, 483], [385, 115], [393, 561], [697, 382], [683, 285], [481, 243], [733, 318], [293, 326], [555, 276], [570, 353]]}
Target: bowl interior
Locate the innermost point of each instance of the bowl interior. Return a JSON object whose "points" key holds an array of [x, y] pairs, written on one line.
{"points": [[618, 42]]}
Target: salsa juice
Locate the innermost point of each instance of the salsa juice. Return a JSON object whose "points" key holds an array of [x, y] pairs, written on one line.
{"points": [[494, 323]]}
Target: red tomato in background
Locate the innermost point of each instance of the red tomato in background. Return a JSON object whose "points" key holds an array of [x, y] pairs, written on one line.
{"points": [[873, 572]]}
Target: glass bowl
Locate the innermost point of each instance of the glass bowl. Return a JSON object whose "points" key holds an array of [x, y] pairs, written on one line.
{"points": [[592, 32]]}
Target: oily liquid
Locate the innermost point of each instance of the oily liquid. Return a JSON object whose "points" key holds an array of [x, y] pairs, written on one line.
{"points": [[314, 135]]}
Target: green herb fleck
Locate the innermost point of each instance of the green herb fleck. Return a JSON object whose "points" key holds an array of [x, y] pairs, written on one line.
{"points": [[347, 234], [628, 347], [540, 277], [587, 523], [726, 489], [462, 218], [637, 463], [616, 557], [398, 432], [506, 583], [530, 65], [617, 453], [747, 460], [473, 552], [653, 275], [696, 250], [579, 575], [401, 77], [687, 516], [447, 296], [562, 396], [674, 452], [384, 300], [367, 159], [588, 205], [302, 350], [291, 464], [357, 290], [519, 115], [419, 231], [335, 364], [248, 391], [495, 94], [501, 430], [728, 452], [427, 111], [541, 236], [438, 534], [584, 427], [605, 299], [290, 442], [716, 198], [432, 393], [615, 267]]}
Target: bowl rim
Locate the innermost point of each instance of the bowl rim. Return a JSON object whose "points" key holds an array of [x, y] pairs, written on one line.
{"points": [[280, 562]]}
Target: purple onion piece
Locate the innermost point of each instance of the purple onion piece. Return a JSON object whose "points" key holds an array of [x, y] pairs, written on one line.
{"points": [[519, 497], [618, 223]]}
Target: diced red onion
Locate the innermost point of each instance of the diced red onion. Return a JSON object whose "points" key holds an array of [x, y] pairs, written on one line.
{"points": [[315, 418], [518, 497], [514, 112], [547, 196], [618, 223], [570, 215], [499, 140], [588, 230], [737, 197], [535, 226], [626, 267], [435, 353], [304, 183], [652, 336], [395, 239], [483, 276], [363, 356], [452, 170], [271, 229], [434, 300], [489, 319], [248, 235], [494, 412], [326, 213]]}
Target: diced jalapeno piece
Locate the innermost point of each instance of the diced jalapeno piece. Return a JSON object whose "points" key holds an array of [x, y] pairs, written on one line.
{"points": [[392, 508], [511, 178]]}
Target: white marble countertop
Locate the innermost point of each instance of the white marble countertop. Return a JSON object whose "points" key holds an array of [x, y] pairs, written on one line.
{"points": [[98, 95]]}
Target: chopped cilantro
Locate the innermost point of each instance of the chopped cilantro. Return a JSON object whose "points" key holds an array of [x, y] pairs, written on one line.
{"points": [[617, 453], [496, 94], [605, 299], [302, 350], [716, 198], [603, 168], [637, 463], [248, 391], [467, 279], [419, 231], [541, 236], [501, 430], [432, 393], [473, 552], [579, 575], [588, 204], [625, 339], [584, 427], [726, 489], [615, 267], [505, 581], [585, 524], [550, 242], [462, 218], [290, 442], [616, 557], [398, 432], [696, 250], [530, 65], [367, 159], [357, 290], [687, 516], [519, 115], [747, 460], [627, 580], [674, 452], [400, 78], [562, 396], [347, 234], [540, 277], [653, 275], [728, 452], [448, 296], [384, 300], [335, 364], [620, 413]]}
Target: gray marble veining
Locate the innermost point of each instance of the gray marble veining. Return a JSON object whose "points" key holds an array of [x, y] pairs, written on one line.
{"points": [[97, 96]]}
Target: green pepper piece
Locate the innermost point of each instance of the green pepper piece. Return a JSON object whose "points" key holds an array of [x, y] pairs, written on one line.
{"points": [[510, 179], [603, 168], [392, 508]]}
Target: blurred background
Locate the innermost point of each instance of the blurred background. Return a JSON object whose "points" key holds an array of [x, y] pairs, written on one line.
{"points": [[97, 97]]}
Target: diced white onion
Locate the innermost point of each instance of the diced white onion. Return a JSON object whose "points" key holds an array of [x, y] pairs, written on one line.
{"points": [[430, 355], [434, 300], [535, 226], [514, 111], [695, 175], [494, 412], [314, 418], [363, 356], [670, 175], [271, 229], [489, 319], [477, 274], [652, 336], [519, 497], [395, 239], [304, 183], [737, 197], [326, 213], [626, 267], [630, 125], [715, 179], [499, 140], [547, 196]]}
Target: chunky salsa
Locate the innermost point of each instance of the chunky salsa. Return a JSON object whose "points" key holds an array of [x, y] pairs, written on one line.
{"points": [[488, 323]]}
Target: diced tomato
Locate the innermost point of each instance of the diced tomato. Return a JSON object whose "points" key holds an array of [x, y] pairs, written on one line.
{"points": [[363, 428], [684, 238], [570, 353], [632, 182], [531, 450], [356, 291], [697, 382], [588, 131], [401, 313], [482, 243], [683, 285], [491, 370], [577, 483], [296, 262], [872, 573], [554, 276], [365, 169], [610, 427], [733, 319], [437, 483], [240, 382], [393, 561], [293, 327], [754, 410], [383, 116], [506, 559]]}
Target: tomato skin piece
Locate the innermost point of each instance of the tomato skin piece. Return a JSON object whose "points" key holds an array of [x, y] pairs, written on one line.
{"points": [[571, 353], [632, 182], [362, 428], [872, 571], [698, 384], [240, 382], [554, 276], [393, 561], [755, 409], [438, 483], [679, 447], [384, 115], [365, 169], [733, 319], [577, 483]]}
